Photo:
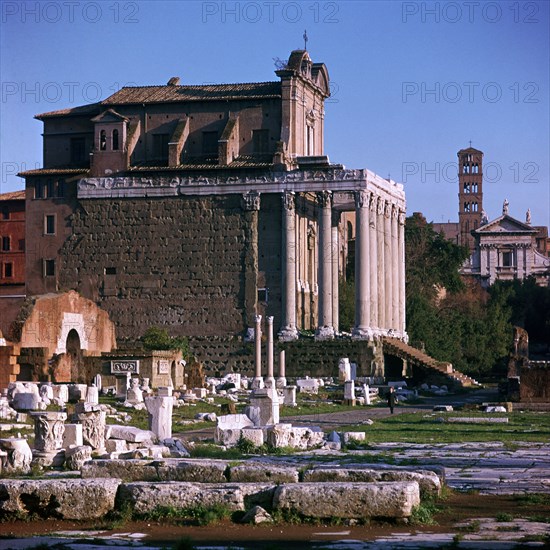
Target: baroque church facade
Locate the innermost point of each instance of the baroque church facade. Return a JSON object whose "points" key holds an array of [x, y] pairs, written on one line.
{"points": [[197, 208]]}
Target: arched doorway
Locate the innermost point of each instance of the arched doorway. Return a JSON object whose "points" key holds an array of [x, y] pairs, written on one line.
{"points": [[74, 357]]}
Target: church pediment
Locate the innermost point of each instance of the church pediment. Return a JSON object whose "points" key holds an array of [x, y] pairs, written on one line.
{"points": [[505, 224], [109, 116]]}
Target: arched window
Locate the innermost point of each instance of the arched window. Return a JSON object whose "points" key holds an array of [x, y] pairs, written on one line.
{"points": [[115, 140], [466, 188], [474, 207], [102, 140], [466, 207]]}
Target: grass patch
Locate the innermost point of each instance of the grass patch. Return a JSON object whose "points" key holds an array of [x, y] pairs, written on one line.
{"points": [[210, 450], [504, 517], [533, 499], [424, 513], [473, 527]]}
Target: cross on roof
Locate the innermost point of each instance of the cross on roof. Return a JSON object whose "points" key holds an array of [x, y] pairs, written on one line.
{"points": [[470, 143], [305, 39]]}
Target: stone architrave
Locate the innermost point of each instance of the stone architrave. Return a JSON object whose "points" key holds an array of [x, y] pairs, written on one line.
{"points": [[160, 415], [49, 427], [93, 427], [19, 455]]}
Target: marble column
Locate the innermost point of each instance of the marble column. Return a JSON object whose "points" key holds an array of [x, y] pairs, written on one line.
{"points": [[362, 266], [335, 270], [258, 381], [388, 267], [373, 263], [270, 380], [281, 381], [483, 258], [402, 295], [381, 265], [325, 330], [395, 269], [288, 329]]}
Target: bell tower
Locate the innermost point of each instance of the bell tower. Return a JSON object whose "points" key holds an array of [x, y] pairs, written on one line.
{"points": [[470, 193]]}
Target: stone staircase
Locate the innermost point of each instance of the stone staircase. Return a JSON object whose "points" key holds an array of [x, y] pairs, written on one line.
{"points": [[394, 346]]}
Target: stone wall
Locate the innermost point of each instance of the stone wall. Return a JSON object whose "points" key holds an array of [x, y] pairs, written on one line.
{"points": [[176, 262]]}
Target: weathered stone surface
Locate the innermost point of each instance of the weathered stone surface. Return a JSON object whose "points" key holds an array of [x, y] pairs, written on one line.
{"points": [[262, 472], [286, 435], [128, 470], [78, 499], [429, 482], [145, 497], [257, 515], [75, 457], [131, 434], [199, 471], [349, 500]]}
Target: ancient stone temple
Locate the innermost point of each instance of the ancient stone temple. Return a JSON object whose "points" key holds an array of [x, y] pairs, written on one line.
{"points": [[198, 207]]}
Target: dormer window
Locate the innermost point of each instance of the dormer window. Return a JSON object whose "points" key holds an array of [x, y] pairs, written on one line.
{"points": [[115, 140], [102, 140]]}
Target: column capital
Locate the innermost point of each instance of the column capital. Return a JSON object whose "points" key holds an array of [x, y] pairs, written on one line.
{"points": [[257, 319], [394, 211], [289, 200], [401, 217], [380, 206], [269, 320], [251, 201], [324, 199], [387, 209], [362, 198]]}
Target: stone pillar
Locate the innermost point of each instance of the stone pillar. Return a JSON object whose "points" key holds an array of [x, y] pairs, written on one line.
{"points": [[289, 393], [160, 415], [373, 263], [325, 330], [92, 419], [281, 381], [258, 381], [395, 269], [49, 427], [270, 380], [520, 254], [483, 257], [251, 206], [388, 266], [288, 329], [362, 328], [402, 296], [366, 394], [92, 395], [381, 264], [335, 270], [349, 393], [493, 263]]}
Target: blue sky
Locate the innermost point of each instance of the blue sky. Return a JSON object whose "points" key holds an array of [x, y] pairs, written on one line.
{"points": [[412, 82]]}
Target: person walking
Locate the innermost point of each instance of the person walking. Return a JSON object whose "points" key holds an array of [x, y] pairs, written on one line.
{"points": [[392, 399]]}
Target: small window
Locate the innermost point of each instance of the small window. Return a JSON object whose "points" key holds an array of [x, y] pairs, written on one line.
{"points": [[5, 214], [260, 141], [38, 190], [49, 224], [50, 189], [210, 143], [507, 259], [263, 295], [102, 140], [115, 140], [466, 188], [8, 270], [6, 244], [110, 271], [49, 268]]}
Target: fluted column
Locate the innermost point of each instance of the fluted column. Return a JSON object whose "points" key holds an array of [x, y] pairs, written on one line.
{"points": [[288, 329], [395, 269], [402, 296], [373, 263], [325, 330], [387, 266], [362, 266], [258, 381], [381, 265], [270, 380], [335, 273]]}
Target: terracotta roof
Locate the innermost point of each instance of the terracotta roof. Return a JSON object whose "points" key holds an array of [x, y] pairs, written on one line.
{"points": [[207, 92], [91, 109], [53, 172], [13, 196]]}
